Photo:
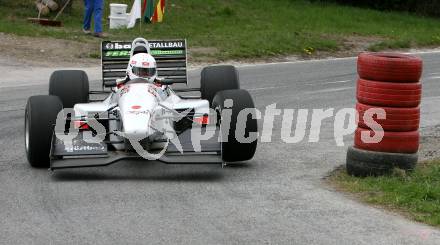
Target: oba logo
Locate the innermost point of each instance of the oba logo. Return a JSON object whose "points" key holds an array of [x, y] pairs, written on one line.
{"points": [[109, 46], [114, 46]]}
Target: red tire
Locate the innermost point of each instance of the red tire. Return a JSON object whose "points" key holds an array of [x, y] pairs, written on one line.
{"points": [[369, 87], [391, 101], [397, 119], [392, 88], [389, 67], [393, 142], [389, 94]]}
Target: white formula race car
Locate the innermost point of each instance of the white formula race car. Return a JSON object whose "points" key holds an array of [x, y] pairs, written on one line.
{"points": [[170, 122]]}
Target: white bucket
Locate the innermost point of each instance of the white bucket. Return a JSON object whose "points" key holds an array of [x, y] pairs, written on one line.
{"points": [[117, 9], [118, 22]]}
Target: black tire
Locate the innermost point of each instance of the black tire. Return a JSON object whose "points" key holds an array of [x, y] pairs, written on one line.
{"points": [[218, 78], [40, 116], [364, 169], [233, 150], [365, 163], [71, 86]]}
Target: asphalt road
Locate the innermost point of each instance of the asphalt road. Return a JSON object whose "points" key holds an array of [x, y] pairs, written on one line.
{"points": [[278, 197]]}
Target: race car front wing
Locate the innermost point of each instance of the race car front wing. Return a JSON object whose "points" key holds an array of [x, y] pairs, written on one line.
{"points": [[116, 156], [81, 154]]}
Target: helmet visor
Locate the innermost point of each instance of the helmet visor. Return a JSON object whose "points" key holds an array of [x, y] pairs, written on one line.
{"points": [[144, 72]]}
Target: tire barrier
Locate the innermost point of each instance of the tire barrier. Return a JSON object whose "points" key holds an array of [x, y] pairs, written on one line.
{"points": [[397, 119], [369, 163], [389, 67], [390, 82], [389, 94], [393, 142]]}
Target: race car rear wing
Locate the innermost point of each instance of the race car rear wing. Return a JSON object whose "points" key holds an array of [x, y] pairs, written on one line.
{"points": [[170, 56]]}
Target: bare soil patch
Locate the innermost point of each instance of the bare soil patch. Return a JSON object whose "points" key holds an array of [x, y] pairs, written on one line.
{"points": [[48, 52]]}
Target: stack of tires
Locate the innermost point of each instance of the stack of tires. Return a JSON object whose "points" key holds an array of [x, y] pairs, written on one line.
{"points": [[390, 82]]}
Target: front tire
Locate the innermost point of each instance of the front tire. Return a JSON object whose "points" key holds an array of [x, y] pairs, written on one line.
{"points": [[40, 116], [218, 78], [233, 150], [71, 86]]}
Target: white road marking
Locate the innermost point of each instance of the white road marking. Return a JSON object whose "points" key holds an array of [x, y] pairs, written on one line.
{"points": [[39, 83], [329, 90], [264, 88], [335, 82], [310, 84], [435, 51], [344, 81], [432, 78], [430, 98], [24, 85]]}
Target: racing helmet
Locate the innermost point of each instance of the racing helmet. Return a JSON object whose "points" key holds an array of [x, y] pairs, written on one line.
{"points": [[142, 65]]}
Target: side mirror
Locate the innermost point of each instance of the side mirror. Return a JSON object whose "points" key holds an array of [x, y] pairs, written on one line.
{"points": [[109, 84]]}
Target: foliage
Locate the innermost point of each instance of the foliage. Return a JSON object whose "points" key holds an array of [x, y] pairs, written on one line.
{"points": [[423, 7], [416, 194]]}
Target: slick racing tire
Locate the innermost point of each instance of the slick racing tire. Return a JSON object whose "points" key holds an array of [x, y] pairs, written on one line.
{"points": [[389, 67], [397, 119], [40, 116], [71, 86], [393, 142], [217, 78], [234, 148]]}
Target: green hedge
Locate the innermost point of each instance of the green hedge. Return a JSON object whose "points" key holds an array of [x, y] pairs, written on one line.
{"points": [[423, 7]]}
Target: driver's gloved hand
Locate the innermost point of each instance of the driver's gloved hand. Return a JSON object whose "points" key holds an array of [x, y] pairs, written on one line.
{"points": [[122, 81]]}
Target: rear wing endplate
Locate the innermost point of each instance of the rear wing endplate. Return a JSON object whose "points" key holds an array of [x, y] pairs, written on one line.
{"points": [[170, 55]]}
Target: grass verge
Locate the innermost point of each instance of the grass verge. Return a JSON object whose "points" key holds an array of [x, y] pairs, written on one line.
{"points": [[415, 194], [249, 28]]}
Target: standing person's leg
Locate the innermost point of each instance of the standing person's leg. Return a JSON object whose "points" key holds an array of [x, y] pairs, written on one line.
{"points": [[88, 11], [98, 5]]}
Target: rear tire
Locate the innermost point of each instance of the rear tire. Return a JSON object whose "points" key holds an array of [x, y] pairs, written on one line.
{"points": [[40, 116], [233, 150], [218, 78], [71, 86]]}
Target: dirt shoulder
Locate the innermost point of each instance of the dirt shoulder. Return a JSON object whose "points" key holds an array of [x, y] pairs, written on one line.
{"points": [[50, 52]]}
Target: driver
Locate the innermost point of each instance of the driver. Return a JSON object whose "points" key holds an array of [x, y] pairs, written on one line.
{"points": [[143, 66]]}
